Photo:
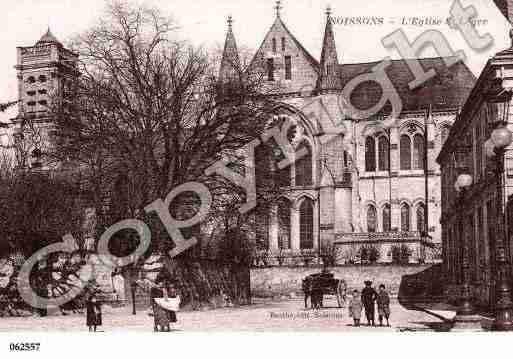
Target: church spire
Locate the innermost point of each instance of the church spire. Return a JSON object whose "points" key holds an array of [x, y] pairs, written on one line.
{"points": [[329, 78], [278, 8], [230, 64]]}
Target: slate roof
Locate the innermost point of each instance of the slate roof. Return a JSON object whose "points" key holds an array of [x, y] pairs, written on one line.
{"points": [[48, 38], [448, 89]]}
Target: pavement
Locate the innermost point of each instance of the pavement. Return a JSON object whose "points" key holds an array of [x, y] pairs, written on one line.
{"points": [[263, 315]]}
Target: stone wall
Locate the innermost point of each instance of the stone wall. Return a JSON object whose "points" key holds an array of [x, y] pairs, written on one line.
{"points": [[200, 284], [286, 281]]}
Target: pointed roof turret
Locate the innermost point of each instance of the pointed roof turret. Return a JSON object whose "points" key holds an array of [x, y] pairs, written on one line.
{"points": [[48, 38], [329, 78], [230, 63]]}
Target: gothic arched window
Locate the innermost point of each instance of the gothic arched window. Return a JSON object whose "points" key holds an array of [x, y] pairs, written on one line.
{"points": [[421, 217], [405, 217], [479, 151], [304, 165], [284, 224], [370, 154], [263, 165], [283, 178], [262, 231], [306, 211], [387, 218], [418, 152], [405, 152], [371, 219], [274, 45], [383, 149]]}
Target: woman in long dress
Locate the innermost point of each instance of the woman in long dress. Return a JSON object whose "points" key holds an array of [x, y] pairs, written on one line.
{"points": [[161, 316], [93, 313]]}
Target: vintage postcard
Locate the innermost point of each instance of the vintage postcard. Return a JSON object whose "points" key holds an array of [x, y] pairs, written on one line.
{"points": [[254, 166]]}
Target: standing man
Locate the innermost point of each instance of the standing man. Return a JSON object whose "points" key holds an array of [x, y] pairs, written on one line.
{"points": [[369, 296], [306, 286], [383, 305], [93, 312]]}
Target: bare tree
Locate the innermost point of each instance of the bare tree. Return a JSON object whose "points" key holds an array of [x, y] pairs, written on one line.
{"points": [[148, 114]]}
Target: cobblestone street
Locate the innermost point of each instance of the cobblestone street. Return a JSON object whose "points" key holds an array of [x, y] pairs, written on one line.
{"points": [[261, 316]]}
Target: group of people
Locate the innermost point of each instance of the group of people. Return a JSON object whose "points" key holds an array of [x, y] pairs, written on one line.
{"points": [[164, 300], [367, 301]]}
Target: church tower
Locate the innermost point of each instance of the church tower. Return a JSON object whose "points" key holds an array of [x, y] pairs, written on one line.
{"points": [[329, 78], [230, 63], [46, 72]]}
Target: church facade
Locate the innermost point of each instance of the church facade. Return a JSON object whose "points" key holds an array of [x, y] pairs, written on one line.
{"points": [[367, 190]]}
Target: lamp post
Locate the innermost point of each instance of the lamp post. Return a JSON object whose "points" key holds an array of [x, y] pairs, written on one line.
{"points": [[323, 166], [465, 316], [495, 147]]}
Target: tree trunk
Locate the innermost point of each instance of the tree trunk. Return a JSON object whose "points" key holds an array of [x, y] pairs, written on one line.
{"points": [[132, 286], [129, 288]]}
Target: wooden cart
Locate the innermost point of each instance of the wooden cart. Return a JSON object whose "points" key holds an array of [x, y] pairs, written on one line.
{"points": [[324, 283]]}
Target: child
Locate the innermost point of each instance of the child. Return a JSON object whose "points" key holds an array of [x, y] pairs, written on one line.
{"points": [[383, 301], [355, 308], [93, 313]]}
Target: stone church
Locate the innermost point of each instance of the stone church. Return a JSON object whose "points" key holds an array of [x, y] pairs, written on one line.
{"points": [[371, 186], [364, 186]]}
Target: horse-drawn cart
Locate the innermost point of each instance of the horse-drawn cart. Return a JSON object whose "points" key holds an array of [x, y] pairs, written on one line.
{"points": [[316, 285]]}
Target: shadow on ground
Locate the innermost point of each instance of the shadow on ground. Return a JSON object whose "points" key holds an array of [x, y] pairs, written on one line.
{"points": [[424, 292]]}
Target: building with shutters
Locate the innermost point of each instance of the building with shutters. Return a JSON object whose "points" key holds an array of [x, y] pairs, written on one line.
{"points": [[359, 194], [476, 222]]}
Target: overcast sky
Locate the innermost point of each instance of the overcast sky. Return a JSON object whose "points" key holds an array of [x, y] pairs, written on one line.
{"points": [[22, 22]]}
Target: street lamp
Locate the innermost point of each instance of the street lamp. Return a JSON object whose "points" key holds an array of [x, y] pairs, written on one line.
{"points": [[500, 139], [323, 159], [465, 314]]}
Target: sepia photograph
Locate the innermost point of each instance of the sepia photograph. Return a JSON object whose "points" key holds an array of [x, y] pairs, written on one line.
{"points": [[333, 170]]}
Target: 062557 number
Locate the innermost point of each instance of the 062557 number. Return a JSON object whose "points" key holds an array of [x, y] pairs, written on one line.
{"points": [[24, 347]]}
